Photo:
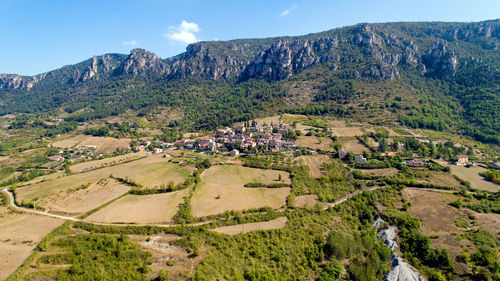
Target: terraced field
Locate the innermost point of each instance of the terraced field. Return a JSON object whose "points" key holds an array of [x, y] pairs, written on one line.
{"points": [[151, 171], [222, 188]]}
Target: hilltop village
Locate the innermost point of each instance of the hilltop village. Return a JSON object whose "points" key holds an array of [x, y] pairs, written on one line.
{"points": [[274, 137], [278, 137]]}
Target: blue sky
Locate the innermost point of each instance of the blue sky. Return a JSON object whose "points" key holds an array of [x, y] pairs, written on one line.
{"points": [[42, 35]]}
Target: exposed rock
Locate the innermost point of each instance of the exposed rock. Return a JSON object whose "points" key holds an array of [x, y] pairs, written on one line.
{"points": [[367, 37], [12, 81], [401, 271], [141, 62], [378, 223], [486, 29], [441, 59], [382, 71], [326, 44], [388, 235], [273, 64], [375, 51]]}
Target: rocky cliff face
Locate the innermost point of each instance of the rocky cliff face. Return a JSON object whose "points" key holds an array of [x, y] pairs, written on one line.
{"points": [[142, 62], [441, 59], [97, 67], [375, 51]]}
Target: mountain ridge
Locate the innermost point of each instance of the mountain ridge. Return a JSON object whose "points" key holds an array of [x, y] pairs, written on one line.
{"points": [[278, 58], [445, 76]]}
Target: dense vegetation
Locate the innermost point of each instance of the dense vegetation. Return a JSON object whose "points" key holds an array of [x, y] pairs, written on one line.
{"points": [[99, 257]]}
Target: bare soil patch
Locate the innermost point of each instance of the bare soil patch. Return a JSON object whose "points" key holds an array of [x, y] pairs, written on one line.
{"points": [[305, 201], [247, 227], [83, 200], [143, 209], [314, 162], [222, 188], [19, 235], [315, 142], [489, 222], [353, 146], [163, 250]]}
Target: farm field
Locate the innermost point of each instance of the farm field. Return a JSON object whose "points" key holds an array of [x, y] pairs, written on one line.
{"points": [[222, 188], [312, 142], [314, 162], [430, 207], [19, 235], [151, 171], [90, 165], [347, 131], [102, 144], [247, 227], [303, 128], [149, 131], [142, 209], [52, 176], [472, 175], [290, 118], [83, 200], [386, 172], [353, 146], [305, 201], [439, 178], [336, 123], [70, 142], [268, 120]]}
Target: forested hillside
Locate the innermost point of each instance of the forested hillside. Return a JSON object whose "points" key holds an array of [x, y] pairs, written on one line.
{"points": [[441, 76]]}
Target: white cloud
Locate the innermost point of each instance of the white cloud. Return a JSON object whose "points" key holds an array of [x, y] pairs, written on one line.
{"points": [[286, 12], [184, 32], [131, 42]]}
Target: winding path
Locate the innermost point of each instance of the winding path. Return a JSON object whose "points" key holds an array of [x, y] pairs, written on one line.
{"points": [[348, 196]]}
